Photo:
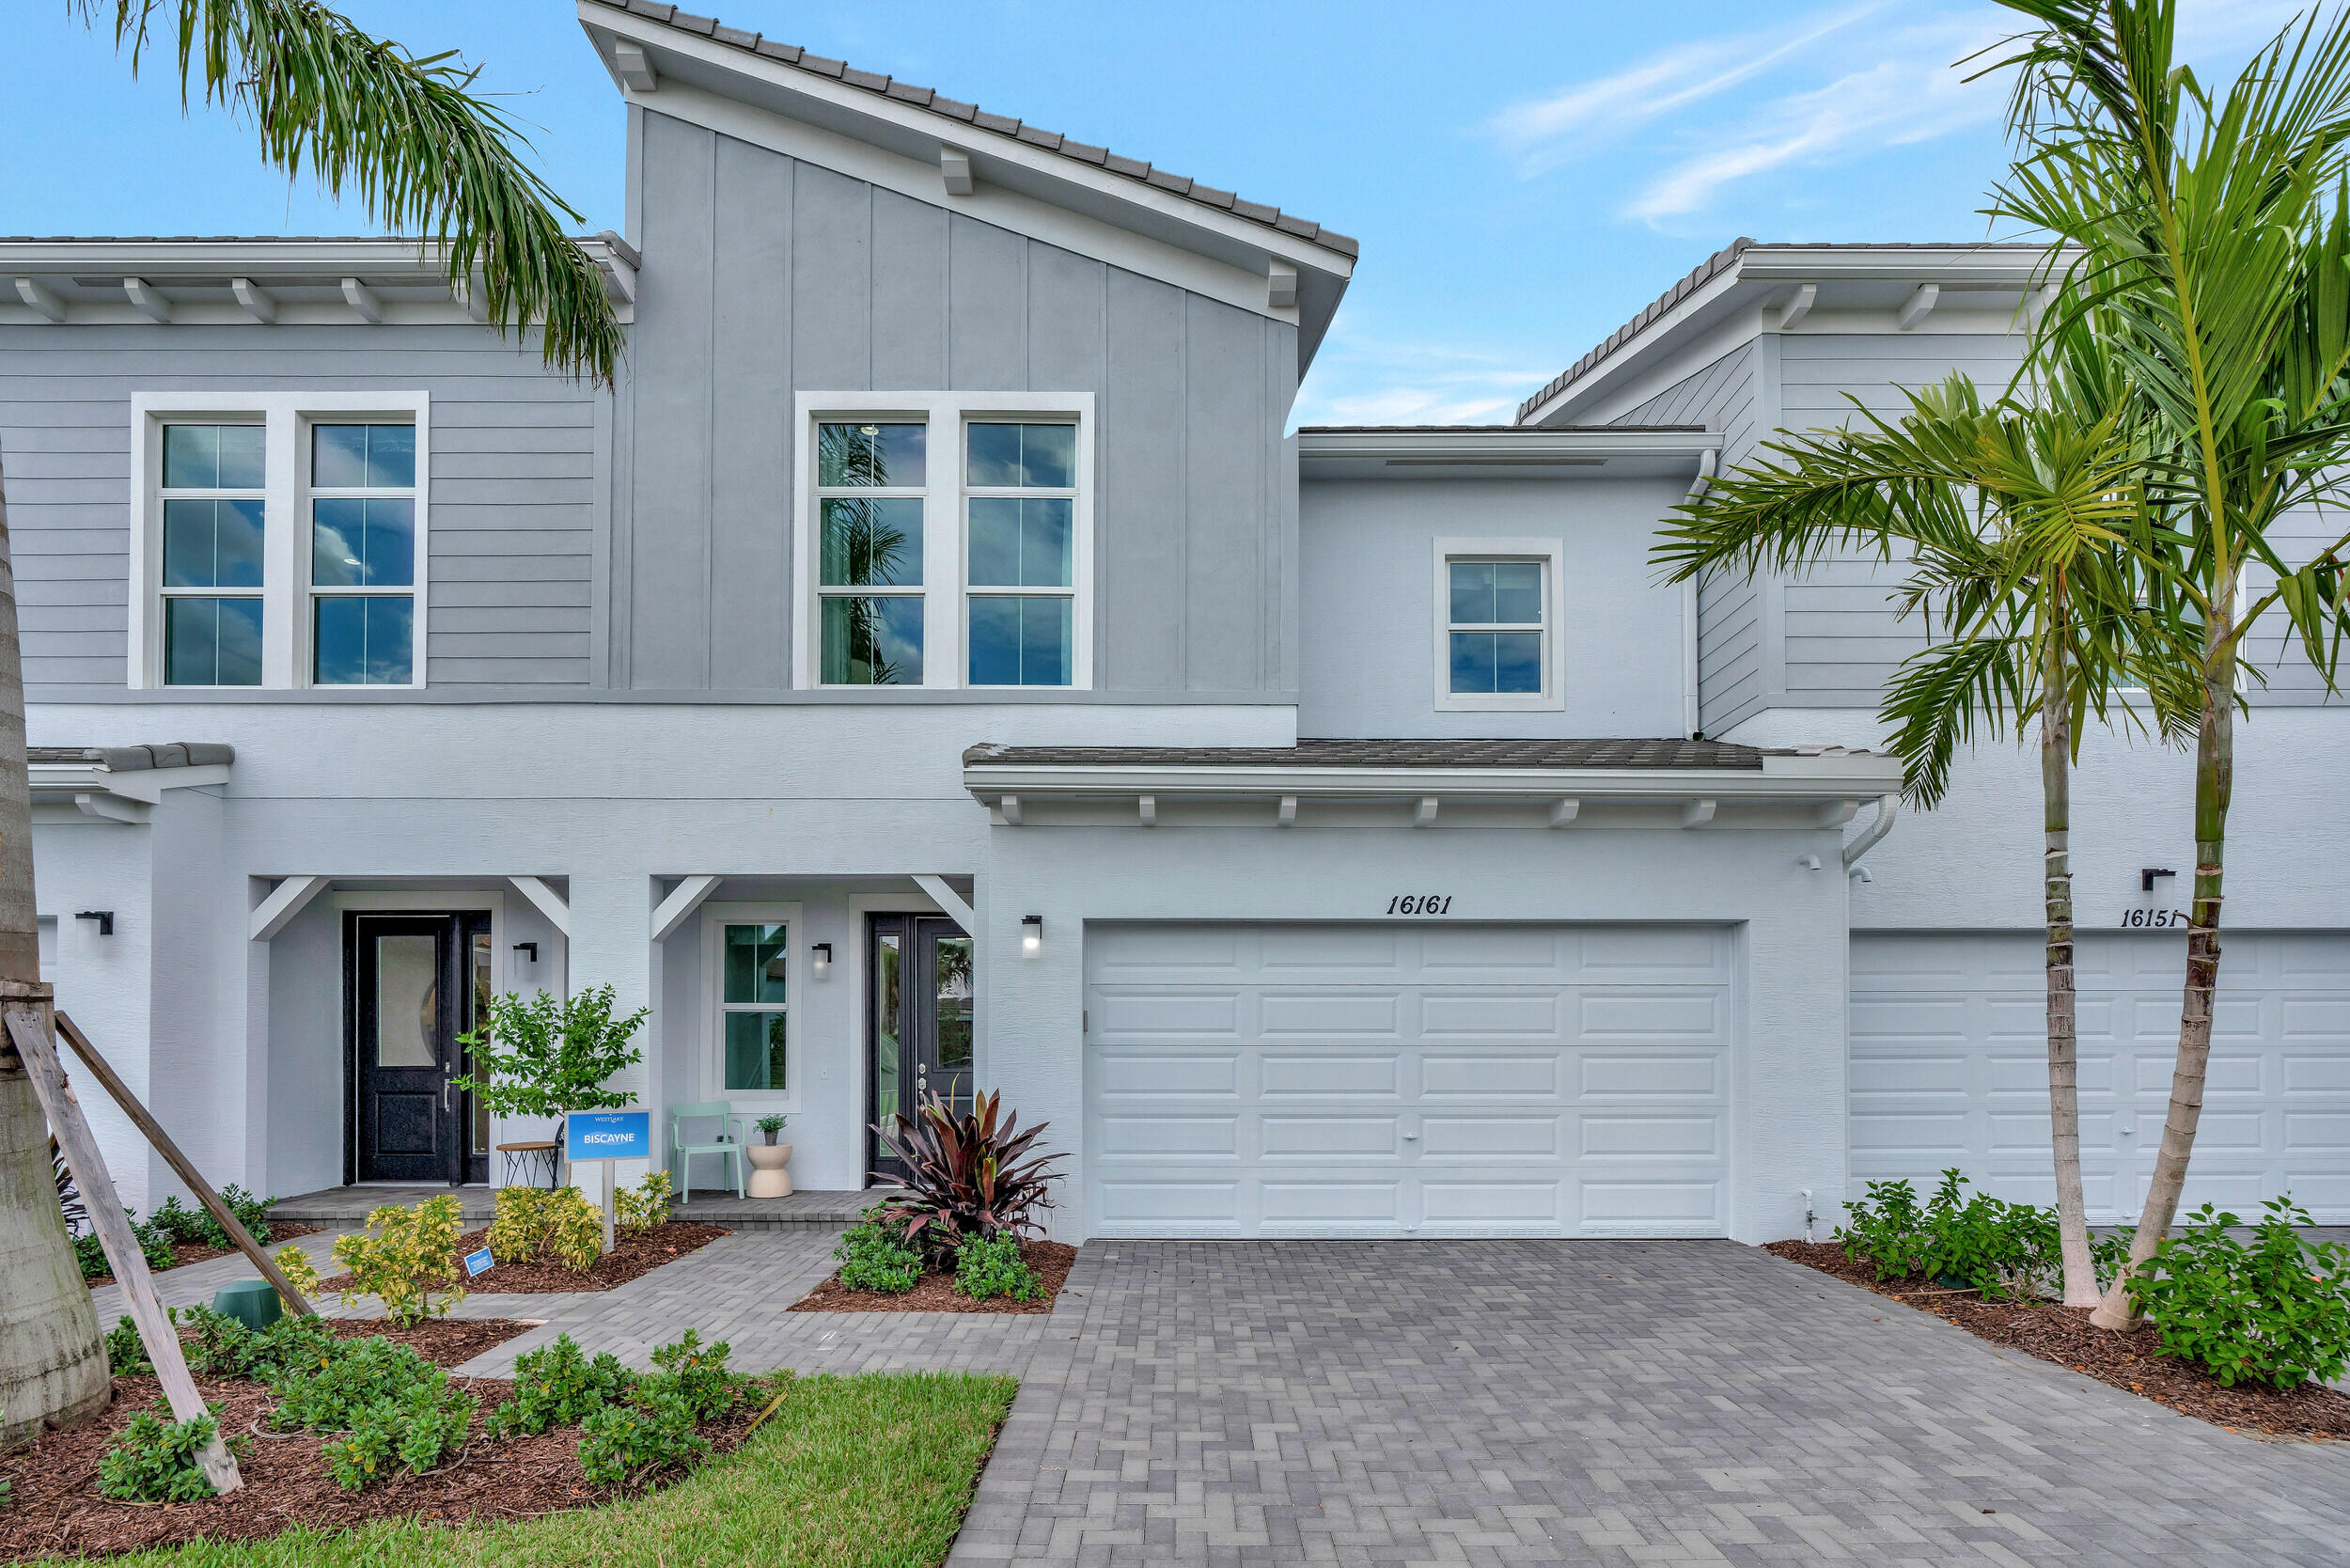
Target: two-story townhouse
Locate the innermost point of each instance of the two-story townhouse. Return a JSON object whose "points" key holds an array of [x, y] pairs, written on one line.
{"points": [[931, 665]]}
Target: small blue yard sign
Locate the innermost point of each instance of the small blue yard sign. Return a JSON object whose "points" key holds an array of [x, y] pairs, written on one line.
{"points": [[624, 1135], [478, 1262]]}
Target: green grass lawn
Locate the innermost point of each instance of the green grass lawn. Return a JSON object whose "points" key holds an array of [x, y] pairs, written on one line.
{"points": [[873, 1470]]}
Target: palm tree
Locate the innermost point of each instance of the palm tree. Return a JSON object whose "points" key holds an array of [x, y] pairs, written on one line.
{"points": [[2212, 233], [2027, 544], [427, 156]]}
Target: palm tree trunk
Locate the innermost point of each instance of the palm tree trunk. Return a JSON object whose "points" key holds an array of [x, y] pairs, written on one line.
{"points": [[2215, 783], [53, 1369], [2064, 1101]]}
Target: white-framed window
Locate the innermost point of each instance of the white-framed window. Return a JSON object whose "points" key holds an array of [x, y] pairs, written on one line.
{"points": [[753, 956], [279, 539], [944, 540], [1497, 612]]}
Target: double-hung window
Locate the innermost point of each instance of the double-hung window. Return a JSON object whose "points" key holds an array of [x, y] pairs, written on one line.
{"points": [[213, 499], [945, 541], [363, 554], [1497, 606], [278, 538]]}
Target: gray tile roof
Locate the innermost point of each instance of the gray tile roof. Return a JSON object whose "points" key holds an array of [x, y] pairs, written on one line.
{"points": [[978, 118], [1664, 753], [1705, 272], [1501, 430], [136, 758]]}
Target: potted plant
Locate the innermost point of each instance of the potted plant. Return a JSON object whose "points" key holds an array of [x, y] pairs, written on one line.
{"points": [[768, 1177]]}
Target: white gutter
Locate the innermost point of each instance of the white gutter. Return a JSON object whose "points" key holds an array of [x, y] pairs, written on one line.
{"points": [[1866, 840], [1709, 463], [1804, 778]]}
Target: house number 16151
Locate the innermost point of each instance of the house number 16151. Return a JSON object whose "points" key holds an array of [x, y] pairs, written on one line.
{"points": [[1421, 904]]}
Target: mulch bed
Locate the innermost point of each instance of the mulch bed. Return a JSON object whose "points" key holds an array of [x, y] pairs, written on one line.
{"points": [[937, 1294], [184, 1253], [630, 1258], [2132, 1362], [57, 1511]]}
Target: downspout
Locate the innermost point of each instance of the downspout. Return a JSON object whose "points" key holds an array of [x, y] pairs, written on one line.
{"points": [[1709, 463], [1866, 840]]}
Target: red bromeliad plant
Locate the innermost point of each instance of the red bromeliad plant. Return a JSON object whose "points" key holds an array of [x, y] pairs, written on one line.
{"points": [[964, 1175]]}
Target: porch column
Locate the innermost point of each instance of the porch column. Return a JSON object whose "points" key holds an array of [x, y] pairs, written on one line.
{"points": [[611, 944]]}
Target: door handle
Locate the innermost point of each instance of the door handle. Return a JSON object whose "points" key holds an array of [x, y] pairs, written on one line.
{"points": [[446, 1079]]}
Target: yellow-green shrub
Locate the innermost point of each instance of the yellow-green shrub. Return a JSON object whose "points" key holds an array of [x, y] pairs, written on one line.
{"points": [[296, 1267], [636, 1210], [559, 1225], [408, 1253]]}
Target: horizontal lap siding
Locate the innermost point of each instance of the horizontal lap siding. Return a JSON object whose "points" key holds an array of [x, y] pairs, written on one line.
{"points": [[767, 275], [1724, 398], [512, 481]]}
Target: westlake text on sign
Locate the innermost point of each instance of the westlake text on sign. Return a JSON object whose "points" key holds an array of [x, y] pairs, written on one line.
{"points": [[607, 1136]]}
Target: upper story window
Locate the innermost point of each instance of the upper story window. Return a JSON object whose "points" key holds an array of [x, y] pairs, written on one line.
{"points": [[1498, 634], [946, 541], [280, 539], [212, 502]]}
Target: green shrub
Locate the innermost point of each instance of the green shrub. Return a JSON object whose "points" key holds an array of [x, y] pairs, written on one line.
{"points": [[636, 1210], [251, 1211], [222, 1347], [876, 1256], [2276, 1311], [350, 1379], [698, 1375], [558, 1386], [414, 1430], [560, 1227], [177, 1223], [653, 1432], [154, 1246], [410, 1253], [155, 1460], [2001, 1250], [989, 1266], [126, 1352]]}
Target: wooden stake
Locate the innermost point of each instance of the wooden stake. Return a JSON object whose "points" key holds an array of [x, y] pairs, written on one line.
{"points": [[28, 1024], [221, 1214]]}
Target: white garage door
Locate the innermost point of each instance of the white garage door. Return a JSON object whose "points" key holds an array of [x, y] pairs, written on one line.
{"points": [[1406, 1080], [1950, 1066]]}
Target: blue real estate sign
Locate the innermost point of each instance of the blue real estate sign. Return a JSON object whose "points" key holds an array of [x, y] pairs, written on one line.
{"points": [[625, 1135]]}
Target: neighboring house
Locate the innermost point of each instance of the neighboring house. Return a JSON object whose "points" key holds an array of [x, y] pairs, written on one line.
{"points": [[932, 666]]}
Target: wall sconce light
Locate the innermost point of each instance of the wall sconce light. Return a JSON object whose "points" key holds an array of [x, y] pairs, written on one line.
{"points": [[105, 918], [528, 949], [2146, 877], [823, 952], [1031, 934]]}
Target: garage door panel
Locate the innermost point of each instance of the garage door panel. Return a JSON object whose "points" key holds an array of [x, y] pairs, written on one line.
{"points": [[1326, 1137], [1414, 1080], [1123, 1071], [1489, 1137], [1657, 1073], [1172, 1134], [2276, 1107], [1160, 1013], [1171, 952], [1332, 1011], [1489, 1015], [1289, 1073], [1507, 1076]]}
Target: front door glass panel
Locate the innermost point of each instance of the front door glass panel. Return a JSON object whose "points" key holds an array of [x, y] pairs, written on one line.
{"points": [[920, 1025], [407, 1000]]}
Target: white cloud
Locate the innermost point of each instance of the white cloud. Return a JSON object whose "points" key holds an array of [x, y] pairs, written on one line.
{"points": [[1360, 379]]}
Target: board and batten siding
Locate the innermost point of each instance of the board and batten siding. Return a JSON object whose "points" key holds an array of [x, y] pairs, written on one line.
{"points": [[1725, 397], [765, 275], [513, 470]]}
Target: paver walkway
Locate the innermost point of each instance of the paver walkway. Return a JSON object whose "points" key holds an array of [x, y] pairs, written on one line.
{"points": [[1502, 1402]]}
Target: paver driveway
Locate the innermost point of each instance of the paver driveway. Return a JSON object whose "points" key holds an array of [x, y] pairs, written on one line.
{"points": [[1505, 1401]]}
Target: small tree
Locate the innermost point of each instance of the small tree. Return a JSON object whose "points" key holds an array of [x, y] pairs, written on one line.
{"points": [[537, 1056]]}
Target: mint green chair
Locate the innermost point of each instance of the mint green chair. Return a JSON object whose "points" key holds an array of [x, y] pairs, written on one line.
{"points": [[725, 1146]]}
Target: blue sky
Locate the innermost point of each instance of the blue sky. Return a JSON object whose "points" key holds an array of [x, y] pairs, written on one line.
{"points": [[1523, 178]]}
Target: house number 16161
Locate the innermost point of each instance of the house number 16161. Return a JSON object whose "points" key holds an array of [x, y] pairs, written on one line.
{"points": [[1421, 904]]}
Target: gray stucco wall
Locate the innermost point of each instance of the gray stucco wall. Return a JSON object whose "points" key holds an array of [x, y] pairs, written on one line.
{"points": [[512, 479], [764, 275], [1367, 602]]}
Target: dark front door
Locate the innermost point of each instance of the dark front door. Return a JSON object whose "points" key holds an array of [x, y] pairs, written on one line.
{"points": [[918, 1024], [411, 989]]}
